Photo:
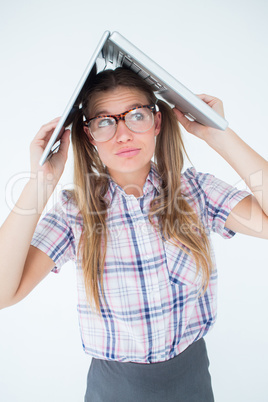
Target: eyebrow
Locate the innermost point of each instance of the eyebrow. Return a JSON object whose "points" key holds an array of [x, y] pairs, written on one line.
{"points": [[105, 112]]}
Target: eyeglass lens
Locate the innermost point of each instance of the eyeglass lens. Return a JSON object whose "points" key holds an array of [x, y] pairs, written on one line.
{"points": [[138, 120]]}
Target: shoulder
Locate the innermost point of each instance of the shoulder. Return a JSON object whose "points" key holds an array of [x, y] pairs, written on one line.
{"points": [[208, 190], [194, 183], [66, 206], [66, 199]]}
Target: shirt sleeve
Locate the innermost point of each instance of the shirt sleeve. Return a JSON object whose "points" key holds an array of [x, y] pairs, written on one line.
{"points": [[216, 199], [54, 236]]}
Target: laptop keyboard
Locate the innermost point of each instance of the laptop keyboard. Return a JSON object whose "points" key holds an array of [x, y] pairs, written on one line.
{"points": [[115, 58]]}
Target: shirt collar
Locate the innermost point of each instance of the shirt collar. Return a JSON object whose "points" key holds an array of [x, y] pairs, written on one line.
{"points": [[153, 181]]}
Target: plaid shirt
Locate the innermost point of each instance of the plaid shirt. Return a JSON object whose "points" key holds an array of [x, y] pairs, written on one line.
{"points": [[154, 309]]}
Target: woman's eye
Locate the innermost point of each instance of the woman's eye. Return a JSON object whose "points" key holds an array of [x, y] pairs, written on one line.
{"points": [[105, 122], [137, 116]]}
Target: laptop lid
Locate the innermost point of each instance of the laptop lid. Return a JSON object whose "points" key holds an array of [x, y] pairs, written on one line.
{"points": [[115, 51], [120, 51], [74, 103]]}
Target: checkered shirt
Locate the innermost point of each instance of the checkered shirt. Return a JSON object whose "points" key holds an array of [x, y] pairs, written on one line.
{"points": [[154, 310]]}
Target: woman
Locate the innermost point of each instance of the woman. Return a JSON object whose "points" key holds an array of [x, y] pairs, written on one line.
{"points": [[139, 232]]}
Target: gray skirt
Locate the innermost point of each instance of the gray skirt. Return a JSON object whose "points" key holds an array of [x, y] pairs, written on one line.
{"points": [[185, 378]]}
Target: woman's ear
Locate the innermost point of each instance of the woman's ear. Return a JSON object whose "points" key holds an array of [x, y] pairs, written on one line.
{"points": [[157, 122]]}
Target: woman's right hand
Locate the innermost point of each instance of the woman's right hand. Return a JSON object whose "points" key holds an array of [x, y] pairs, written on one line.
{"points": [[53, 168]]}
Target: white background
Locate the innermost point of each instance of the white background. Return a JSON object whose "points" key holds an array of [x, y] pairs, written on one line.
{"points": [[220, 49]]}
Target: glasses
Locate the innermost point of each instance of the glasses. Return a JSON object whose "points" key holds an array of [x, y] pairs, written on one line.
{"points": [[139, 120]]}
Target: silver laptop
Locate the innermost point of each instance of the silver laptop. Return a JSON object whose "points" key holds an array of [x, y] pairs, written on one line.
{"points": [[115, 51]]}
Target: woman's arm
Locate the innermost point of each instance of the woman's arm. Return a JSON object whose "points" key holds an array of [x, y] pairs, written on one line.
{"points": [[250, 216], [20, 263]]}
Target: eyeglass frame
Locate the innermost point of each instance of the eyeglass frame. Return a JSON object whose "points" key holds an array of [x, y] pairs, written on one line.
{"points": [[121, 116]]}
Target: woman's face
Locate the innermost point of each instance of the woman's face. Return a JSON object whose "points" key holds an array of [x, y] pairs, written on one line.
{"points": [[121, 164]]}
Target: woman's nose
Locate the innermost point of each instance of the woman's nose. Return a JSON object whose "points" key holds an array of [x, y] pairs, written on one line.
{"points": [[123, 133]]}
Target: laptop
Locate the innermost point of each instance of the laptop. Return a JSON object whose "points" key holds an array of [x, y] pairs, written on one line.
{"points": [[113, 51]]}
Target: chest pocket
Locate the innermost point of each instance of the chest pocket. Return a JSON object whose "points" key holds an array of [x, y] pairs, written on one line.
{"points": [[181, 266]]}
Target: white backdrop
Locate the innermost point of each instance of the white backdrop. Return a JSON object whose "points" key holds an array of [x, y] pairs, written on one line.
{"points": [[221, 49]]}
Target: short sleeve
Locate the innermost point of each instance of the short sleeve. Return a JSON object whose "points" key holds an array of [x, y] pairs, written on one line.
{"points": [[54, 236], [215, 199]]}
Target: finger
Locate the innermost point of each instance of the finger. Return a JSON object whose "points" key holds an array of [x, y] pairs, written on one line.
{"points": [[213, 102], [210, 100], [190, 126], [47, 129], [207, 98]]}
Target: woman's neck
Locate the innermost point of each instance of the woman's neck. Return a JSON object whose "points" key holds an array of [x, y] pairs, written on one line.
{"points": [[131, 182]]}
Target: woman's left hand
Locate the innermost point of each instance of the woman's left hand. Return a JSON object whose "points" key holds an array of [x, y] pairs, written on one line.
{"points": [[199, 130]]}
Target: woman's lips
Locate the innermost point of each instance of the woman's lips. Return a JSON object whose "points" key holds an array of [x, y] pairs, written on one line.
{"points": [[128, 152]]}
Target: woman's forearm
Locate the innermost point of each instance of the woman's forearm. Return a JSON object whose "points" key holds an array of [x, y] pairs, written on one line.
{"points": [[250, 166], [16, 235]]}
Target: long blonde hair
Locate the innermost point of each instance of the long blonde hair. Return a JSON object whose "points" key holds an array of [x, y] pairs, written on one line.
{"points": [[169, 208]]}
